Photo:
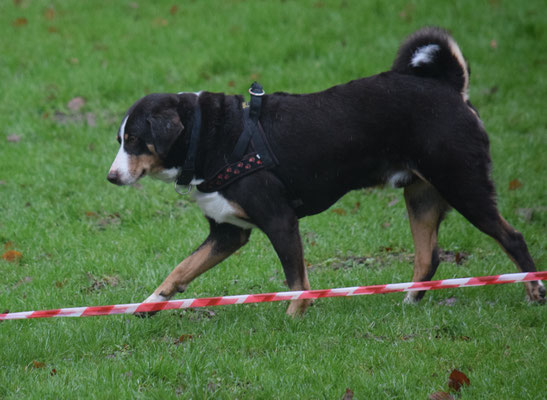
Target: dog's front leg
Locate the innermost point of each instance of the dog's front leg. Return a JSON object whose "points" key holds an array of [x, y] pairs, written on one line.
{"points": [[223, 240]]}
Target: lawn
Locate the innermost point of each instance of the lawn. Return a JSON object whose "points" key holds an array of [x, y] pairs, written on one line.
{"points": [[69, 71]]}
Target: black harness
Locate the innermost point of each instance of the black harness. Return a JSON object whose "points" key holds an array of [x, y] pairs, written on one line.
{"points": [[251, 152]]}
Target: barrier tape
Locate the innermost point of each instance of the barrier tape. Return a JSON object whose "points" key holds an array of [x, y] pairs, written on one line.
{"points": [[279, 296]]}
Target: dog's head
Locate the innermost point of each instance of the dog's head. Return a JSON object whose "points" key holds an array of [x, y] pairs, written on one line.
{"points": [[147, 135]]}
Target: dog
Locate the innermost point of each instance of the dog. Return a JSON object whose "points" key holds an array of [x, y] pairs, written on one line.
{"points": [[412, 127]]}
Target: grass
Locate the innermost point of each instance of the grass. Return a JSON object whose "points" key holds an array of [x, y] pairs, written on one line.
{"points": [[86, 242]]}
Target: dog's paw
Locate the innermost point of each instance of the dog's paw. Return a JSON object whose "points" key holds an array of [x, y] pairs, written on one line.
{"points": [[297, 308], [154, 298], [411, 298], [536, 292]]}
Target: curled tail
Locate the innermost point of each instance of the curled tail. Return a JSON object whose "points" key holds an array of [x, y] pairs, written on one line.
{"points": [[431, 52]]}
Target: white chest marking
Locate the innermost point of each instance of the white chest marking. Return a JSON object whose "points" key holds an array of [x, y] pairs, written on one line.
{"points": [[216, 207]]}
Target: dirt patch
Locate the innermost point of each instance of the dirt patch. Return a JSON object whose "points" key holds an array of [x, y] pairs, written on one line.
{"points": [[384, 258]]}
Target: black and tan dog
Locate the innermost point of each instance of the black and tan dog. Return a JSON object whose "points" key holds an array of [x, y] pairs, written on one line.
{"points": [[412, 127]]}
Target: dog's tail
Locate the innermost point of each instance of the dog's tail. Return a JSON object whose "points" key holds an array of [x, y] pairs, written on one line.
{"points": [[431, 52]]}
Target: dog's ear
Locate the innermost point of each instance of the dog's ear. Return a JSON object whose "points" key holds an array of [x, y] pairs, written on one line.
{"points": [[166, 129]]}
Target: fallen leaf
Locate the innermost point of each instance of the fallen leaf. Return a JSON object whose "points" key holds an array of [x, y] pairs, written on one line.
{"points": [[173, 10], [21, 21], [231, 84], [74, 60], [12, 255], [515, 184], [494, 44], [52, 29], [407, 12], [91, 214], [49, 13], [458, 257], [348, 395], [38, 364], [161, 22], [183, 338], [457, 379], [53, 372], [490, 91], [339, 211], [14, 138], [356, 207], [76, 103], [110, 219], [60, 284], [440, 395], [8, 245]]}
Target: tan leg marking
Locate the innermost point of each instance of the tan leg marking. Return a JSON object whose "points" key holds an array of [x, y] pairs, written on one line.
{"points": [[239, 211], [298, 307], [196, 264], [424, 233]]}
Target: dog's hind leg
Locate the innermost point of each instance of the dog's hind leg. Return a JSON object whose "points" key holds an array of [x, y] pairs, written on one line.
{"points": [[426, 209], [467, 187], [223, 240]]}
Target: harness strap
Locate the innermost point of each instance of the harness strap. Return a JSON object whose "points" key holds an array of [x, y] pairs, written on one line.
{"points": [[256, 92], [244, 160], [187, 172], [231, 172], [250, 122]]}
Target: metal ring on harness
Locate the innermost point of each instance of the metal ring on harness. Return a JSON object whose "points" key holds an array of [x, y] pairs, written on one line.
{"points": [[261, 93], [190, 187]]}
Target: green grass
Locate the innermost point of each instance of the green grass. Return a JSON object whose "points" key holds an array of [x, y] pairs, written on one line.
{"points": [[87, 242]]}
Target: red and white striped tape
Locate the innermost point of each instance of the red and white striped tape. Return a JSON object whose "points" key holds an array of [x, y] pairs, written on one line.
{"points": [[279, 296]]}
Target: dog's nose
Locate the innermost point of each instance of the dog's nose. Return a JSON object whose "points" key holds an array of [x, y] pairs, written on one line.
{"points": [[113, 177]]}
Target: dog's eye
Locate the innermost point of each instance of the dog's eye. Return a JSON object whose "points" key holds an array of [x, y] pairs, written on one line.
{"points": [[131, 139]]}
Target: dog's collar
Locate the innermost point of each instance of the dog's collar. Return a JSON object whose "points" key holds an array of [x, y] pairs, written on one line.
{"points": [[187, 171]]}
